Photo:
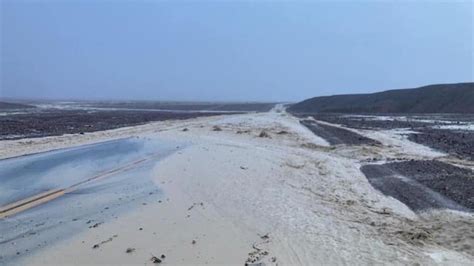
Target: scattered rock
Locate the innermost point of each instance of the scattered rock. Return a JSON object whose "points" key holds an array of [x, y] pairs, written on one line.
{"points": [[156, 260], [185, 129], [264, 134], [95, 246], [95, 225], [193, 242], [243, 131], [163, 256], [243, 168], [283, 132], [195, 204], [129, 250], [350, 202], [216, 128]]}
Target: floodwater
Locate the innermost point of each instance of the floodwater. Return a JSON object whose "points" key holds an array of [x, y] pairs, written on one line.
{"points": [[89, 203]]}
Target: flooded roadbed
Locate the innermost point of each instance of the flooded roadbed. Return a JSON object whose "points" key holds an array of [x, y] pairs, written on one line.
{"points": [[97, 181]]}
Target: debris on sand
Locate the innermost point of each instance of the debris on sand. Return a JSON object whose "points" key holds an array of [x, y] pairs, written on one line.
{"points": [[105, 241], [417, 236], [283, 132], [264, 134], [244, 168], [243, 131], [156, 260], [185, 129], [265, 236], [313, 146], [163, 256], [129, 250], [195, 204], [295, 166], [95, 225], [193, 242], [256, 257], [216, 128]]}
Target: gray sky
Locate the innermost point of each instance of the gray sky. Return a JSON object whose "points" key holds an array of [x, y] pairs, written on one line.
{"points": [[229, 50]]}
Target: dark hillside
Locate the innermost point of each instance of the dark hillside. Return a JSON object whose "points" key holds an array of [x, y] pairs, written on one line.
{"points": [[442, 98]]}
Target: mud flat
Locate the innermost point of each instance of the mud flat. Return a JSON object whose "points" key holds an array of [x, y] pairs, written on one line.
{"points": [[423, 185], [335, 135]]}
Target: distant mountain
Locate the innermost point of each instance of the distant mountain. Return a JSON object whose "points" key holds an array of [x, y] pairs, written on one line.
{"points": [[7, 105], [441, 98]]}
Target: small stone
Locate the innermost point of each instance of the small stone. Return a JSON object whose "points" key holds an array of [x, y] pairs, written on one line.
{"points": [[155, 260]]}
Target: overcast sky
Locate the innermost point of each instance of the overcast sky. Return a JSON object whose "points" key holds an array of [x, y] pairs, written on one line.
{"points": [[229, 50]]}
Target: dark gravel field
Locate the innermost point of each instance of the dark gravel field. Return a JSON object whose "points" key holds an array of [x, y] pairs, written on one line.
{"points": [[365, 123], [58, 122], [454, 142], [335, 135], [458, 143], [424, 185], [183, 106]]}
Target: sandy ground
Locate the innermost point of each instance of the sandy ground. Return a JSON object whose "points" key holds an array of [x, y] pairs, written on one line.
{"points": [[286, 199]]}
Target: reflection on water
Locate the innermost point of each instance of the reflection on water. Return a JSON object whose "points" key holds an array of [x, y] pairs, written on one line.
{"points": [[91, 203]]}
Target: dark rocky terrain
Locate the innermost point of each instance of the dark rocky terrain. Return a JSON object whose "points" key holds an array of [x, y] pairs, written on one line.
{"points": [[335, 135], [365, 123], [59, 122], [52, 118], [457, 143], [184, 106], [448, 186], [441, 98], [9, 105]]}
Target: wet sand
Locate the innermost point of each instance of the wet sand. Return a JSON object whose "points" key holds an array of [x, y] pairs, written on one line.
{"points": [[285, 197], [46, 195]]}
